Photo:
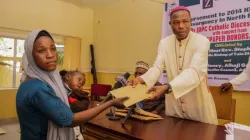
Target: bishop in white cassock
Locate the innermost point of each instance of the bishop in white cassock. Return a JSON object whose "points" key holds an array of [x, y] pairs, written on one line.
{"points": [[185, 57]]}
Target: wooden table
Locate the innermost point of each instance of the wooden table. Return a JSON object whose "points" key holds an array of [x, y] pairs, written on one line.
{"points": [[167, 129]]}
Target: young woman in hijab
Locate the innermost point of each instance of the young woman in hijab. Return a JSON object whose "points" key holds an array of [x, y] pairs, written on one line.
{"points": [[41, 101]]}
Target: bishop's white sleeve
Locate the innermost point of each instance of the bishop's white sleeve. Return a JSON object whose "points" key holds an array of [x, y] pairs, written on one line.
{"points": [[192, 76], [243, 77], [154, 73]]}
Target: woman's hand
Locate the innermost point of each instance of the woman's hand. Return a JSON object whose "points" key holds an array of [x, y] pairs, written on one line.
{"points": [[118, 102]]}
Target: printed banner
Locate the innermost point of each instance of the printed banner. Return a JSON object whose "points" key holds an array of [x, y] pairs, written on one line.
{"points": [[226, 23]]}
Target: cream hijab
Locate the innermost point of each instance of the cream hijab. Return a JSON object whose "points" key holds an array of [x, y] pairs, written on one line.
{"points": [[31, 70]]}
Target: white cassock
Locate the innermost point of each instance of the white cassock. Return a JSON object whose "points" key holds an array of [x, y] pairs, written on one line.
{"points": [[186, 67], [243, 77]]}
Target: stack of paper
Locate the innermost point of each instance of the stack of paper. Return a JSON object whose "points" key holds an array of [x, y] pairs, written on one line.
{"points": [[139, 114], [237, 131], [2, 131]]}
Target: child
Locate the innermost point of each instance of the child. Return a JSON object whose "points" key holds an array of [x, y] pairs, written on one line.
{"points": [[41, 100], [74, 81], [78, 99]]}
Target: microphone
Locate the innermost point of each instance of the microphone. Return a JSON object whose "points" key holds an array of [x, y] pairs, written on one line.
{"points": [[120, 82], [130, 112]]}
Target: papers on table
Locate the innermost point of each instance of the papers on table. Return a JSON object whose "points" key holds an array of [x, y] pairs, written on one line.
{"points": [[237, 131], [2, 131]]}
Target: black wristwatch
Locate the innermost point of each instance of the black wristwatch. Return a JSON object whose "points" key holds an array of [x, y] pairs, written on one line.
{"points": [[169, 90]]}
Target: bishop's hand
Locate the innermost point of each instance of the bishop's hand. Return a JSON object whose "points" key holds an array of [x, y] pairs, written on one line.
{"points": [[157, 92]]}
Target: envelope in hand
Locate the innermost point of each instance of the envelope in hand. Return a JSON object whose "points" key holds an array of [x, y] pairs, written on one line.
{"points": [[136, 94]]}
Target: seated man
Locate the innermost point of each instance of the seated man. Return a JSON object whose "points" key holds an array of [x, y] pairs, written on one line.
{"points": [[154, 106]]}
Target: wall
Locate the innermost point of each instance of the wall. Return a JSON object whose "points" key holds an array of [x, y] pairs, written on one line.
{"points": [[242, 114], [8, 103], [125, 32], [55, 16]]}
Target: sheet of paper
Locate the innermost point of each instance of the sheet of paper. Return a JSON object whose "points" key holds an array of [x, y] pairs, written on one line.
{"points": [[232, 125], [237, 131], [135, 95]]}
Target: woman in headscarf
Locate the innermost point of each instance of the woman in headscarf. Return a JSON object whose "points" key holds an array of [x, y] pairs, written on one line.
{"points": [[41, 101]]}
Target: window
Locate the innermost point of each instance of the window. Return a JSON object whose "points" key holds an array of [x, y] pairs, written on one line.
{"points": [[60, 50], [9, 62], [11, 52]]}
